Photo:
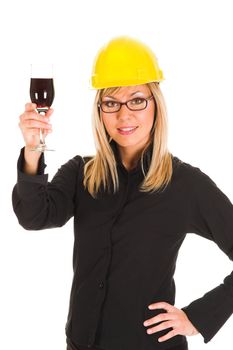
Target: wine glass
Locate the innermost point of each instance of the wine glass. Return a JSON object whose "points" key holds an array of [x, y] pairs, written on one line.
{"points": [[42, 93]]}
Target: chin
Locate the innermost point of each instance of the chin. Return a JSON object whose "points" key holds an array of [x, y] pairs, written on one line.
{"points": [[135, 143], [125, 143]]}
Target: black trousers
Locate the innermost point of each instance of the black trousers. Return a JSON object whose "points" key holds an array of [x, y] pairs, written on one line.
{"points": [[71, 346], [173, 348]]}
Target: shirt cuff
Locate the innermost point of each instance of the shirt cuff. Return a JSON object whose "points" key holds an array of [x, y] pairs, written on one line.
{"points": [[209, 313], [40, 177]]}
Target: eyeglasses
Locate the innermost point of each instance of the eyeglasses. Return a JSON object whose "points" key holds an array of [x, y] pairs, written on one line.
{"points": [[136, 104]]}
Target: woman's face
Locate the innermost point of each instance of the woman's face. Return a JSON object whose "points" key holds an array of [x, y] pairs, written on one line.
{"points": [[141, 120]]}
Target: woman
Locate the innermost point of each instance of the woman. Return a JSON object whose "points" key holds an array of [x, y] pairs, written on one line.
{"points": [[132, 203]]}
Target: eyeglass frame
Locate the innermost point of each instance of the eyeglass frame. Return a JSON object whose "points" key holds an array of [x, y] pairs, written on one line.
{"points": [[126, 103]]}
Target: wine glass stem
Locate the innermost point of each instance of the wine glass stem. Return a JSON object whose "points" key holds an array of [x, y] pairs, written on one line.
{"points": [[42, 136], [42, 111]]}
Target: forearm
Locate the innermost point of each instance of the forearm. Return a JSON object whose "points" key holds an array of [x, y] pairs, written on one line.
{"points": [[211, 217], [31, 161]]}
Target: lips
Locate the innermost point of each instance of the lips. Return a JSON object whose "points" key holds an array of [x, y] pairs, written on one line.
{"points": [[127, 130]]}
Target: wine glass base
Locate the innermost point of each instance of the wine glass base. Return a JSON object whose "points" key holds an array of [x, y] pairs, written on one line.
{"points": [[42, 148]]}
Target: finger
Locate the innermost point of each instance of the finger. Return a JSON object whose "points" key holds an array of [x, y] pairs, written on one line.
{"points": [[33, 132], [31, 123], [169, 335], [28, 115], [49, 112], [161, 327], [159, 318], [33, 116], [29, 106], [48, 131], [161, 305]]}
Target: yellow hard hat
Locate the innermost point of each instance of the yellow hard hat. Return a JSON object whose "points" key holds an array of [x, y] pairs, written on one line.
{"points": [[125, 61]]}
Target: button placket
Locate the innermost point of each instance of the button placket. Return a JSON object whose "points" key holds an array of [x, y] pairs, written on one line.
{"points": [[101, 284]]}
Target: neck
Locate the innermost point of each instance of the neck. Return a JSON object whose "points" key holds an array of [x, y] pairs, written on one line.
{"points": [[130, 156], [129, 159]]}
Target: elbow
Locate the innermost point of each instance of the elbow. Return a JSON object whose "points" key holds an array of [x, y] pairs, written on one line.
{"points": [[30, 225], [32, 222]]}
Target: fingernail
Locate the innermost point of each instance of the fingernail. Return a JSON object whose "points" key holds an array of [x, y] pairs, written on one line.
{"points": [[150, 307]]}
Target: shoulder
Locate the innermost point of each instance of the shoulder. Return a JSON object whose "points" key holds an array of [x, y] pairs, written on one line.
{"points": [[72, 169], [78, 160], [76, 164], [71, 166], [193, 174], [87, 158]]}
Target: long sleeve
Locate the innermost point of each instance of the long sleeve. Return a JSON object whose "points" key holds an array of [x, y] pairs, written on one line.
{"points": [[211, 216], [40, 204]]}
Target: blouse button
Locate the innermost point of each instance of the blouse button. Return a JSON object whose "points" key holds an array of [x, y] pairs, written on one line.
{"points": [[101, 285]]}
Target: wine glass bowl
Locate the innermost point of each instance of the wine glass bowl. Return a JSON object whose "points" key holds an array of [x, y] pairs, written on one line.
{"points": [[42, 94]]}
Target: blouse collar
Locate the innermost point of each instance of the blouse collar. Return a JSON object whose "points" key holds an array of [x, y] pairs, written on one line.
{"points": [[146, 159]]}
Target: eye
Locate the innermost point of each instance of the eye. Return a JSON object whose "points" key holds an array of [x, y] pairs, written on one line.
{"points": [[110, 104], [137, 101]]}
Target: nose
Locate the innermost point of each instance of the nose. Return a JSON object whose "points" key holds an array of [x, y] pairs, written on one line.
{"points": [[124, 112]]}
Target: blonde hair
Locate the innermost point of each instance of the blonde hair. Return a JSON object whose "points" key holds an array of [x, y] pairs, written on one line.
{"points": [[101, 168]]}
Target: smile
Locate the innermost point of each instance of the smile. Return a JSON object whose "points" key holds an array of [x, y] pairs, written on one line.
{"points": [[127, 131]]}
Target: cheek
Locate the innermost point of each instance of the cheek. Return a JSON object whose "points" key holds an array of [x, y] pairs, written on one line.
{"points": [[147, 121], [108, 123], [151, 117]]}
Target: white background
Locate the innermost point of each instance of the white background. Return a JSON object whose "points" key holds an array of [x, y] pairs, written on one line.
{"points": [[193, 43]]}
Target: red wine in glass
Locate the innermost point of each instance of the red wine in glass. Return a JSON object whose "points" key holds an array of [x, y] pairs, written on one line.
{"points": [[42, 93]]}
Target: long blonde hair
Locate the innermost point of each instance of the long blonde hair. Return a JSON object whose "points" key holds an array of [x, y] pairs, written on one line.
{"points": [[101, 168]]}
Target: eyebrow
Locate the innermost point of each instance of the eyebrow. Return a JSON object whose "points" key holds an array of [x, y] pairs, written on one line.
{"points": [[134, 93]]}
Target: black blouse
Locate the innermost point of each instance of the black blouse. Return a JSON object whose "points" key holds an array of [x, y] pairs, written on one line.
{"points": [[126, 246]]}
